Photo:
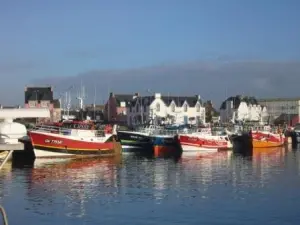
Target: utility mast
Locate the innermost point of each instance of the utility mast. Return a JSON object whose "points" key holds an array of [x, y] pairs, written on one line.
{"points": [[81, 97]]}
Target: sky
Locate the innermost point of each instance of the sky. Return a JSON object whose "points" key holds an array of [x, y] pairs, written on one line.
{"points": [[66, 40]]}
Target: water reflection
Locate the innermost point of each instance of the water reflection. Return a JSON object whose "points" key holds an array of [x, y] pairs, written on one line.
{"points": [[132, 189], [76, 181]]}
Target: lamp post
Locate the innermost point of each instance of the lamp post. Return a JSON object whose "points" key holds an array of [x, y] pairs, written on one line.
{"points": [[151, 112]]}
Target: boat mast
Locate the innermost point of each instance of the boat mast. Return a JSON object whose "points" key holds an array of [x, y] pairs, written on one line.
{"points": [[81, 97], [108, 103], [94, 105]]}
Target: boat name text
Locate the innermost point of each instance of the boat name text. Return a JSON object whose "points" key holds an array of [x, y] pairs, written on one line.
{"points": [[57, 142]]}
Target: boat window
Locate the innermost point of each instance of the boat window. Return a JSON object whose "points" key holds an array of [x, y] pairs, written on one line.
{"points": [[77, 126]]}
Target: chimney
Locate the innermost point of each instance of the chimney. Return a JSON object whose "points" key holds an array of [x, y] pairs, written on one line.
{"points": [[157, 95], [135, 95]]}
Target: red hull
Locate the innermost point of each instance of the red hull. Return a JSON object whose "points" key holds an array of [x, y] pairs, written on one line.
{"points": [[203, 142], [61, 144]]}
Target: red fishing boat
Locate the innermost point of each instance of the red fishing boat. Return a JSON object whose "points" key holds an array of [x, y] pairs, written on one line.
{"points": [[73, 138], [205, 140]]}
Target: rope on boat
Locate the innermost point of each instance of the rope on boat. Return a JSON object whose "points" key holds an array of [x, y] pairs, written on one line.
{"points": [[4, 216]]}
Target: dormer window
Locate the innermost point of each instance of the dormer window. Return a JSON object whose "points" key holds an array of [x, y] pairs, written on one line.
{"points": [[185, 107], [157, 107], [173, 107]]}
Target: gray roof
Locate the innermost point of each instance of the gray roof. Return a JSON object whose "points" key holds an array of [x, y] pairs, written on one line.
{"points": [[237, 101], [178, 100], [38, 93], [123, 98]]}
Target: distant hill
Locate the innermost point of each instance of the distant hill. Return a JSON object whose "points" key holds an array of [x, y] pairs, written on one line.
{"points": [[212, 80]]}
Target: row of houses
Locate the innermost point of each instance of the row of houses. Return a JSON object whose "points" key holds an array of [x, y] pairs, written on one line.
{"points": [[136, 109], [133, 109], [273, 110], [127, 109]]}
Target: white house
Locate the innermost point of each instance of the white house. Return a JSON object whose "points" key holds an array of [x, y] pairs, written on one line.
{"points": [[166, 109], [240, 108]]}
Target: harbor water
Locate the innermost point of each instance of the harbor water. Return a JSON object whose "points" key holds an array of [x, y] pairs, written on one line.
{"points": [[208, 188]]}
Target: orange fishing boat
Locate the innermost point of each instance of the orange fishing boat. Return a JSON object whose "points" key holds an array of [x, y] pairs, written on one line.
{"points": [[266, 138]]}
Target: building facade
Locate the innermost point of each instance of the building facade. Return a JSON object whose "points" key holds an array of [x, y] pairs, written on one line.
{"points": [[95, 112], [242, 108], [42, 97], [165, 109], [289, 108], [115, 109]]}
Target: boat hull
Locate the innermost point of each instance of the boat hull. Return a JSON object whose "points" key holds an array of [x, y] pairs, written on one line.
{"points": [[148, 144], [135, 142], [242, 143], [295, 135], [204, 143], [166, 145], [267, 140], [189, 148], [55, 145]]}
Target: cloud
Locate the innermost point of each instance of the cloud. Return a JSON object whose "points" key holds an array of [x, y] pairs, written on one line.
{"points": [[212, 80], [16, 66], [82, 54]]}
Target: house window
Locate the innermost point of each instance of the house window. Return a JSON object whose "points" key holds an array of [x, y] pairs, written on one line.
{"points": [[32, 104], [44, 104], [137, 107], [173, 107], [157, 107], [198, 107], [185, 107]]}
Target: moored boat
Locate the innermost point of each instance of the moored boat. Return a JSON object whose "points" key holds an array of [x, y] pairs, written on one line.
{"points": [[266, 137], [133, 141], [150, 140], [295, 134], [72, 138], [205, 139]]}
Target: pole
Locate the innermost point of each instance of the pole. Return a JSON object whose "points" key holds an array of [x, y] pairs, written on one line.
{"points": [[37, 102], [95, 103], [6, 158], [4, 216], [141, 108]]}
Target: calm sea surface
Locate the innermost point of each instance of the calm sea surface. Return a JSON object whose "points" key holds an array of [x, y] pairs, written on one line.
{"points": [[214, 188]]}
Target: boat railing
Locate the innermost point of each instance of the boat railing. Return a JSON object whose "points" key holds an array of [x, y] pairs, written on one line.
{"points": [[273, 129], [166, 132], [64, 131]]}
